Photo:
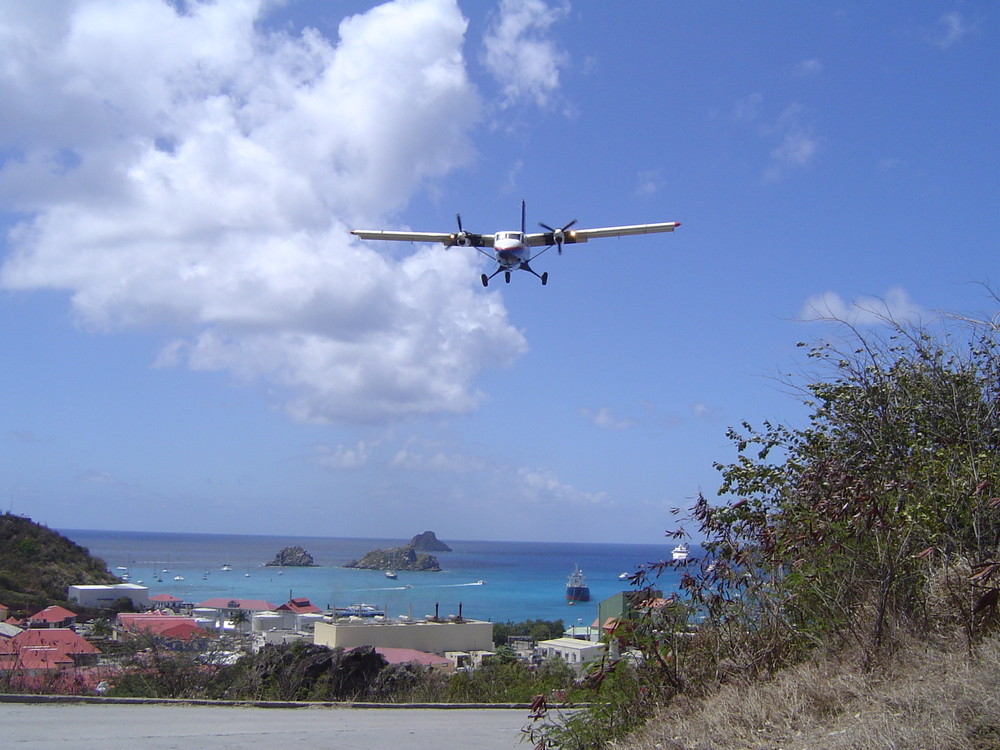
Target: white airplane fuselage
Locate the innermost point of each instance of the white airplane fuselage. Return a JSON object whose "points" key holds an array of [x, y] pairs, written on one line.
{"points": [[509, 249]]}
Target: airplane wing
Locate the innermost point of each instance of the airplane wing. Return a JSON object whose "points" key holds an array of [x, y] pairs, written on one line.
{"points": [[465, 239], [573, 236]]}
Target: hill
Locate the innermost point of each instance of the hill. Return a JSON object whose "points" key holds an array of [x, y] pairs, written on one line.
{"points": [[37, 565], [397, 558]]}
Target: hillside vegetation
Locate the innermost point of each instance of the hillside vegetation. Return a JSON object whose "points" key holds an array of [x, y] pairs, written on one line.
{"points": [[37, 565], [852, 569]]}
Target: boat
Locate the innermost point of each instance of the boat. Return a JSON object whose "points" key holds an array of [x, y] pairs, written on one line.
{"points": [[576, 587], [358, 610], [391, 574], [178, 578], [623, 576], [681, 552], [227, 566]]}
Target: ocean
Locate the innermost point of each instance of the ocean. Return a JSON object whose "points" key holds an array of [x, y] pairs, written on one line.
{"points": [[520, 580]]}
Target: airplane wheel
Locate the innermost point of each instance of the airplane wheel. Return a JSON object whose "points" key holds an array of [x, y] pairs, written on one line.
{"points": [[486, 280], [545, 278], [506, 276]]}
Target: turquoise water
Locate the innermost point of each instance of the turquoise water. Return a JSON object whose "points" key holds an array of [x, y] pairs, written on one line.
{"points": [[521, 580]]}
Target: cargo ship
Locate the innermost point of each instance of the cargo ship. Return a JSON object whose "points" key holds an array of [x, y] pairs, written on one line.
{"points": [[576, 587]]}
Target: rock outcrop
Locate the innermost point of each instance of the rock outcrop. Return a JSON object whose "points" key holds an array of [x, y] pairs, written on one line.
{"points": [[292, 557], [428, 542], [396, 558]]}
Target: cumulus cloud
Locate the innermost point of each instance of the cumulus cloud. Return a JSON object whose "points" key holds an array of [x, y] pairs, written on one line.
{"points": [[517, 53], [178, 165], [864, 310]]}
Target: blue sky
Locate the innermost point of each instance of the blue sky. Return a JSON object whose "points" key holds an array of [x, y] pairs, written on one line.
{"points": [[193, 341]]}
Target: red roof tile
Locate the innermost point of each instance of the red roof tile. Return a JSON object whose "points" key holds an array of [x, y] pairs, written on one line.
{"points": [[300, 606], [54, 613], [63, 639], [165, 598], [408, 655]]}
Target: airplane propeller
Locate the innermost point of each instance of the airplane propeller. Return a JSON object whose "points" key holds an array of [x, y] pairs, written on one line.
{"points": [[558, 235], [462, 238]]}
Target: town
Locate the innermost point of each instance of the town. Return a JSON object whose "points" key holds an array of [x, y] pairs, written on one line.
{"points": [[51, 651]]}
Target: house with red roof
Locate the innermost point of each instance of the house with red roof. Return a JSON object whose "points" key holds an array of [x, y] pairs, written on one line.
{"points": [[52, 617], [165, 601], [300, 606], [40, 650], [176, 632], [412, 656]]}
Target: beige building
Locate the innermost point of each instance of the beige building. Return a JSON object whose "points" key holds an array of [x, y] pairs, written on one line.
{"points": [[422, 635]]}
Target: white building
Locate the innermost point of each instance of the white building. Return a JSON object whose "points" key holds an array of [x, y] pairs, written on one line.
{"points": [[573, 651], [90, 595]]}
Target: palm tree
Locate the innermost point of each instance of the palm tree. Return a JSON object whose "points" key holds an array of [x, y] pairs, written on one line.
{"points": [[240, 620]]}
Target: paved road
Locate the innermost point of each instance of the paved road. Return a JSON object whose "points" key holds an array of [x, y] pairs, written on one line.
{"points": [[183, 727]]}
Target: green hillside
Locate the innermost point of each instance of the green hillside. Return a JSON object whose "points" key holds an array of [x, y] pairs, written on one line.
{"points": [[37, 565]]}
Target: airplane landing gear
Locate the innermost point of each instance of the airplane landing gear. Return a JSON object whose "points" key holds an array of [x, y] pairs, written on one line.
{"points": [[486, 280], [545, 278], [506, 276]]}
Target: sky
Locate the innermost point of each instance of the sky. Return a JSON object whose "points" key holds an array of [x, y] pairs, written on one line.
{"points": [[192, 341]]}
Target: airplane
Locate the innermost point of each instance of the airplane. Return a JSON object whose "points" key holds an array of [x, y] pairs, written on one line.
{"points": [[513, 250]]}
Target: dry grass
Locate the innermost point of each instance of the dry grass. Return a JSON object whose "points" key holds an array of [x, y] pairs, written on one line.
{"points": [[931, 697]]}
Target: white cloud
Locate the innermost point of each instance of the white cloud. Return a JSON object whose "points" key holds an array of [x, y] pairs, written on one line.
{"points": [[809, 67], [189, 168], [648, 182], [524, 62], [606, 419], [542, 487], [705, 412], [797, 145], [952, 28], [344, 456], [863, 310], [436, 458]]}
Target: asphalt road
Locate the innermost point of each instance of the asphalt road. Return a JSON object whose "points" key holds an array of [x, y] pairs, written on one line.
{"points": [[27, 726]]}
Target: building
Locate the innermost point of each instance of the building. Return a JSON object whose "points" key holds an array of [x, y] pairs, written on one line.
{"points": [[624, 606], [222, 613], [412, 656], [176, 632], [575, 652], [430, 636], [41, 650], [52, 617], [166, 602], [104, 595]]}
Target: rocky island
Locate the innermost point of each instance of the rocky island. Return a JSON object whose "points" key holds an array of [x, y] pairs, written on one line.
{"points": [[396, 558], [292, 557], [428, 542]]}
